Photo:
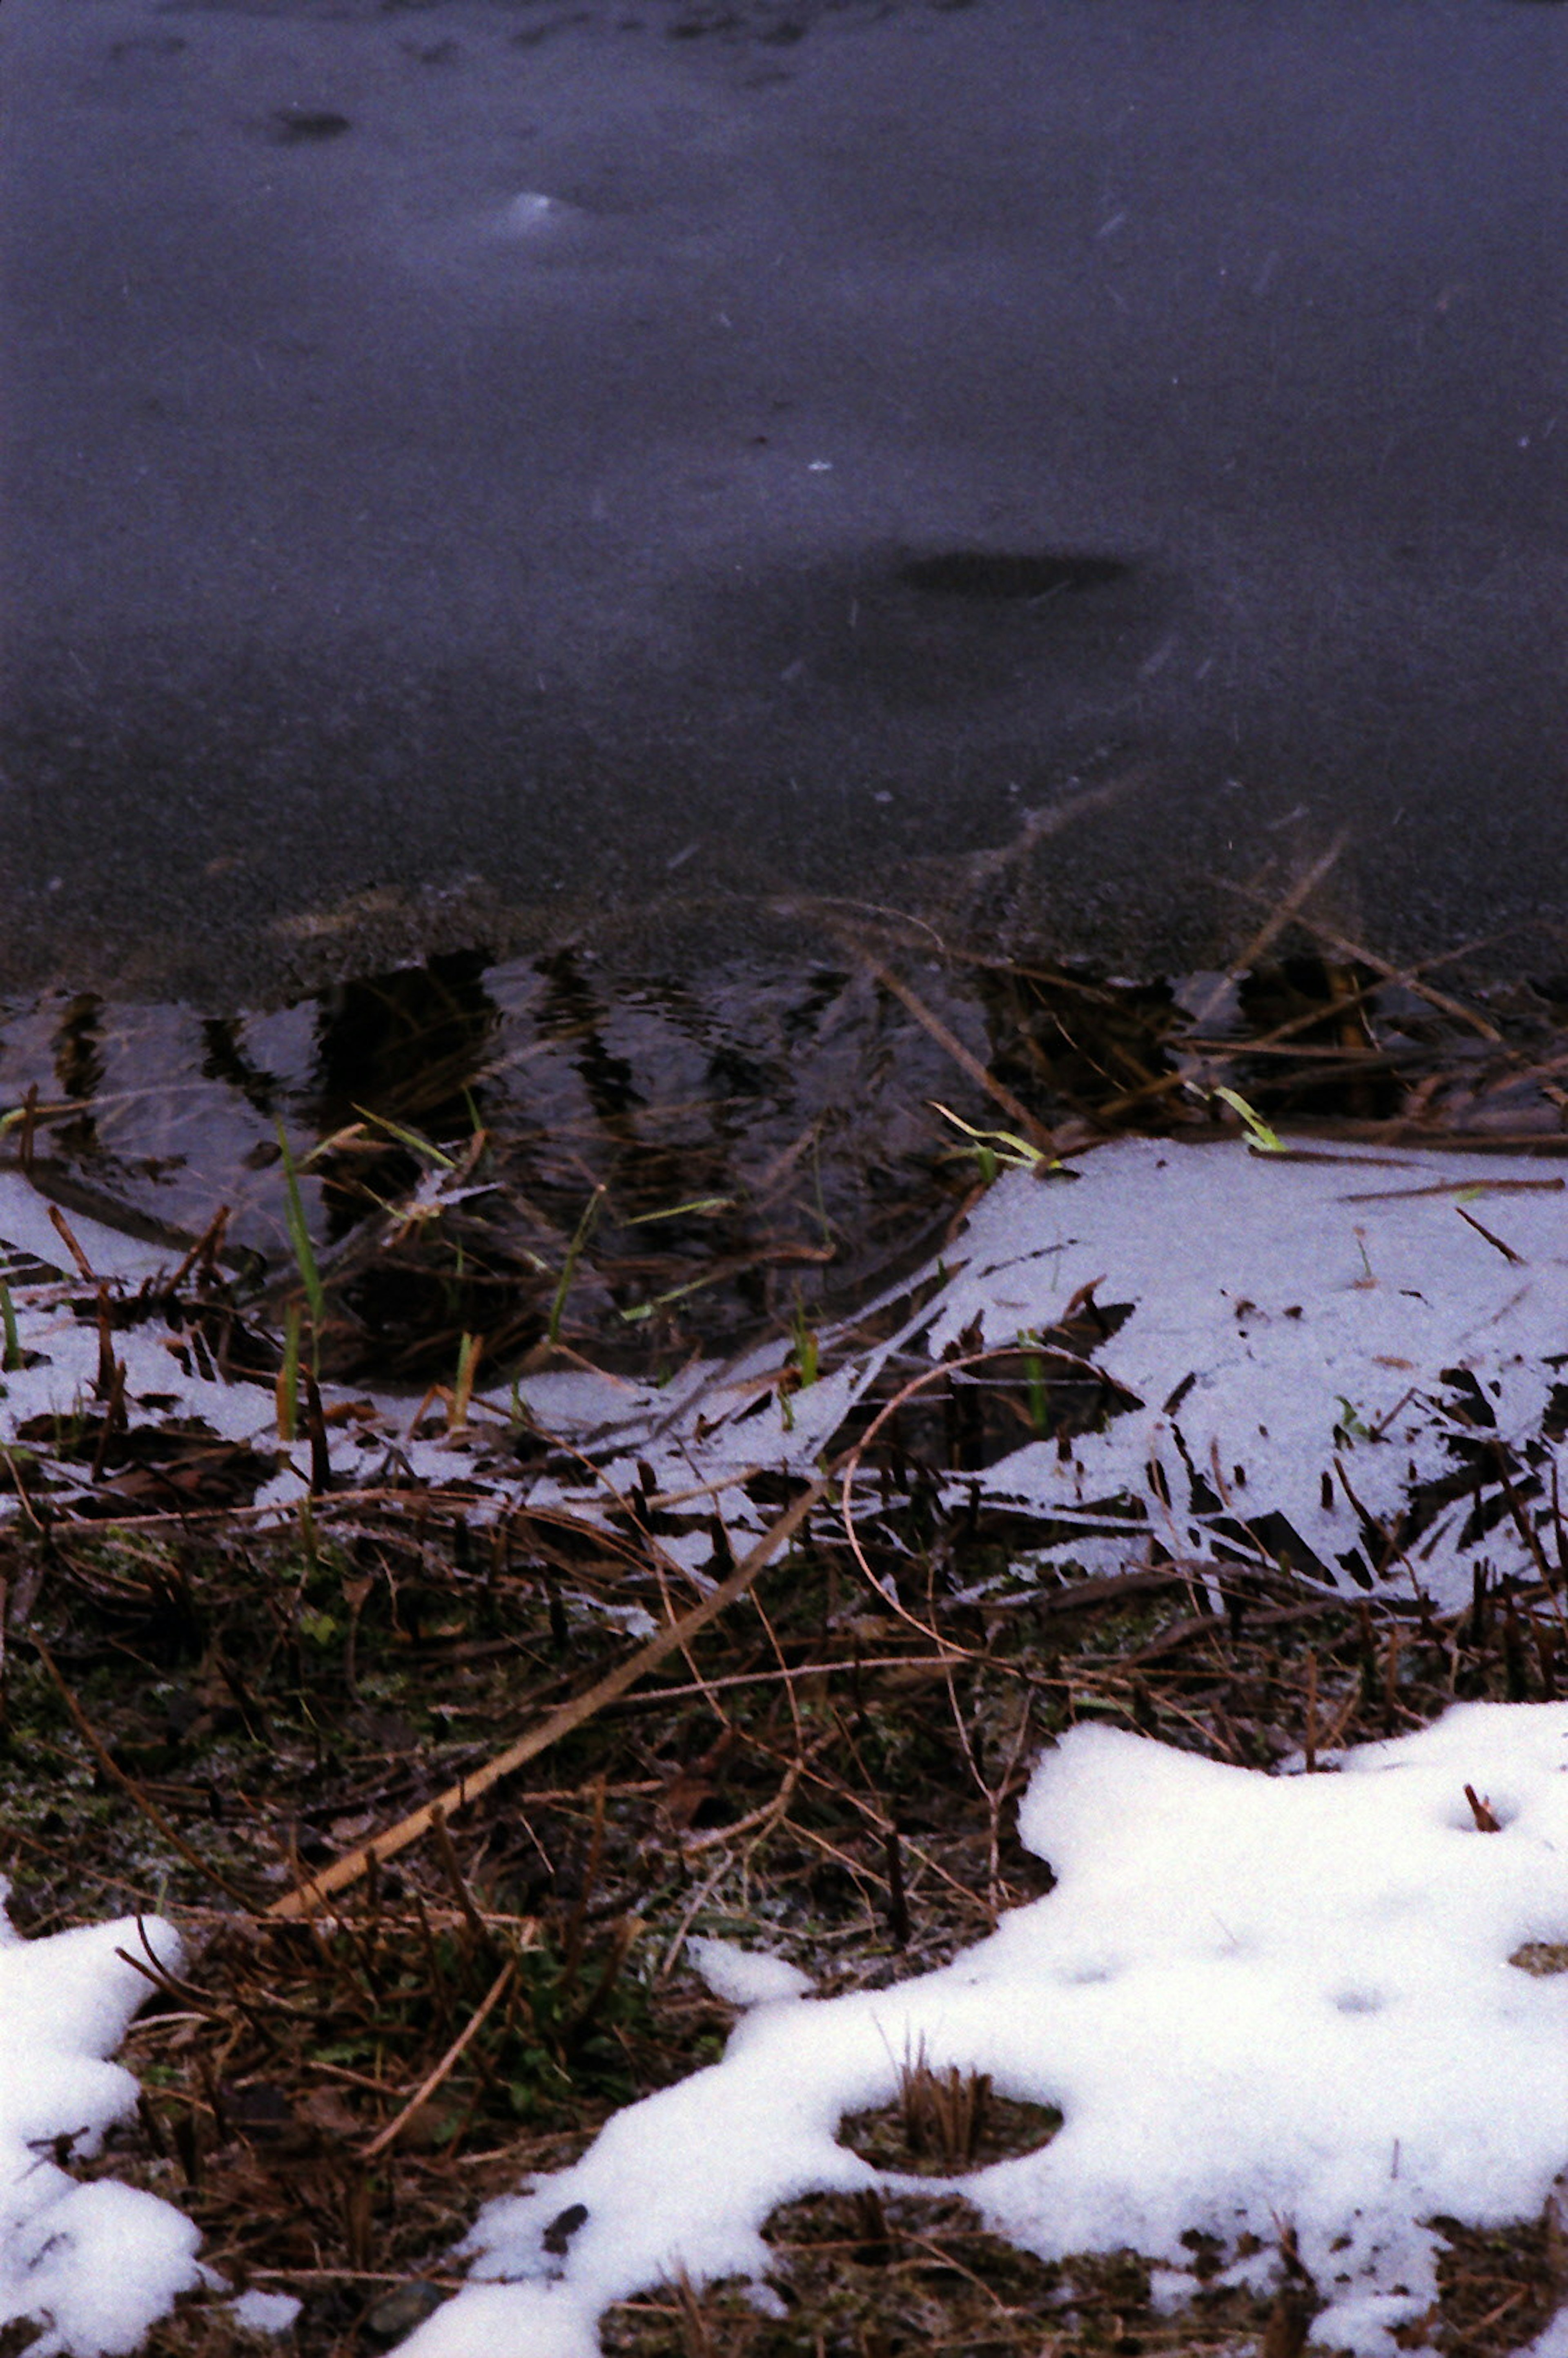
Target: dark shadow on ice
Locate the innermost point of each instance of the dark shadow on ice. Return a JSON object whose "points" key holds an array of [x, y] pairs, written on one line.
{"points": [[1003, 577]]}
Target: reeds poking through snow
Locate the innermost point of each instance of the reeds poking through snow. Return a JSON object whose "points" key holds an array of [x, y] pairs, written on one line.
{"points": [[401, 2004], [338, 2083], [943, 2112]]}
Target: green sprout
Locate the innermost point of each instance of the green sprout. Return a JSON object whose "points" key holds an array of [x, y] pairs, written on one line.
{"points": [[12, 1358], [1260, 1137], [304, 1250], [288, 1376], [992, 1149], [574, 1254]]}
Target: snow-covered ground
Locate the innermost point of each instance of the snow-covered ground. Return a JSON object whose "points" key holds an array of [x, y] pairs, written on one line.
{"points": [[1308, 1340], [94, 2263], [1252, 1997], [1254, 2000]]}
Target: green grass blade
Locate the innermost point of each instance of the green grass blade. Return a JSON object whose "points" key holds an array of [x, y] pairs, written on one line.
{"points": [[1260, 1136], [288, 1378], [574, 1254], [12, 1360], [413, 1139], [675, 1211], [299, 1239]]}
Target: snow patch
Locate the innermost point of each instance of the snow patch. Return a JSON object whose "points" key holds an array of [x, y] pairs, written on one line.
{"points": [[266, 2312], [1253, 1998], [746, 1976], [94, 2265]]}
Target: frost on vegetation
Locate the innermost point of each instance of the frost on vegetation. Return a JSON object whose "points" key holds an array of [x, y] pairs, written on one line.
{"points": [[1253, 1999], [91, 2265]]}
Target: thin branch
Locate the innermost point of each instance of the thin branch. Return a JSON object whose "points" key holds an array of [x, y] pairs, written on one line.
{"points": [[308, 1896]]}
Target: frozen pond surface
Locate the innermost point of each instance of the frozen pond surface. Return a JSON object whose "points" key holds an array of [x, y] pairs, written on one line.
{"points": [[467, 464]]}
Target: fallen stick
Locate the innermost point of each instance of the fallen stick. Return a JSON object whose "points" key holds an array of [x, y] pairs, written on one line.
{"points": [[428, 2086], [307, 1897]]}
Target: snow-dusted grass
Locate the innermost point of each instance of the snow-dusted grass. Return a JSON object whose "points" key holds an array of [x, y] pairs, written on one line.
{"points": [[93, 2265], [1256, 2000], [1290, 1325]]}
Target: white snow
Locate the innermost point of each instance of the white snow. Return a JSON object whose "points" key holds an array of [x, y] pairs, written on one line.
{"points": [[1293, 1322], [746, 1976], [1554, 2342], [1253, 1998], [1306, 1306], [94, 2263], [266, 2312], [1293, 1318]]}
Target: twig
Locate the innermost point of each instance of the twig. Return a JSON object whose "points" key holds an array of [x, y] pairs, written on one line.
{"points": [[1273, 925], [454, 1873], [931, 1374], [61, 1227], [307, 1897], [1507, 1251], [767, 1815], [1486, 1820], [1522, 1524], [998, 1091], [1409, 975], [428, 2085]]}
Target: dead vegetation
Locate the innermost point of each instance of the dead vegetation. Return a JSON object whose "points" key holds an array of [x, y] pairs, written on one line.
{"points": [[947, 2122], [332, 2092], [201, 1713]]}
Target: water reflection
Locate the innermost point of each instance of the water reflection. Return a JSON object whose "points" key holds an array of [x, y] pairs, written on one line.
{"points": [[739, 1135], [746, 1144]]}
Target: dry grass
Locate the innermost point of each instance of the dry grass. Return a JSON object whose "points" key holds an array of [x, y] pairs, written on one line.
{"points": [[812, 1773]]}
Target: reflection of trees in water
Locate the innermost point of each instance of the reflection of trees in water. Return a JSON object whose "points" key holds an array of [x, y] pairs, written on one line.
{"points": [[573, 1013], [778, 1102], [224, 1059], [754, 1127], [412, 1046], [79, 1066]]}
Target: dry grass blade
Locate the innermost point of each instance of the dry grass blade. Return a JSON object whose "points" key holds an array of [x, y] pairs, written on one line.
{"points": [[943, 2112], [945, 1038], [1481, 1810]]}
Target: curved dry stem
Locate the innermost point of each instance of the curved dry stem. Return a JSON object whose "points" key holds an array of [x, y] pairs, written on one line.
{"points": [[852, 1466]]}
